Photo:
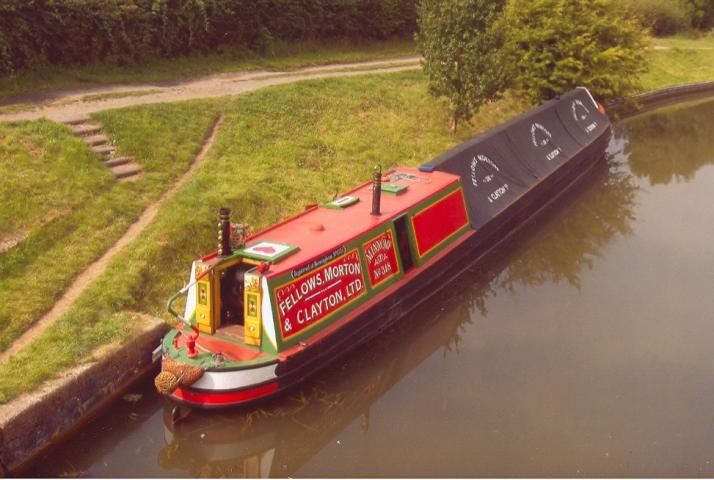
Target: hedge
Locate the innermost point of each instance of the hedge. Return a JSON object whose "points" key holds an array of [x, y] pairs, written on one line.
{"points": [[74, 32]]}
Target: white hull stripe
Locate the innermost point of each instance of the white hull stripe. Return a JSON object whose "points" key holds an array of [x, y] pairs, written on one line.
{"points": [[234, 379]]}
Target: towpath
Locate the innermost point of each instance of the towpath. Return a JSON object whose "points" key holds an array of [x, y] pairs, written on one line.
{"points": [[62, 106]]}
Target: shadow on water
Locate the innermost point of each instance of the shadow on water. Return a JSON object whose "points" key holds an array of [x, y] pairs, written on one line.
{"points": [[365, 391]]}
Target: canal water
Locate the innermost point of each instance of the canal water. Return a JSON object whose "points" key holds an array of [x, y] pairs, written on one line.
{"points": [[583, 348]]}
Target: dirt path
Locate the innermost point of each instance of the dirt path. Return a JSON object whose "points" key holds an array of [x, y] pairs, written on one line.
{"points": [[94, 270], [667, 47], [71, 104]]}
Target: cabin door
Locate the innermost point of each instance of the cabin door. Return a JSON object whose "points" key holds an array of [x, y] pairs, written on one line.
{"points": [[405, 252], [232, 294]]}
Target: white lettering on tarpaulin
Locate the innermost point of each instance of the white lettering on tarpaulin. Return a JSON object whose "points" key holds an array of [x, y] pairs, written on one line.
{"points": [[483, 160], [553, 154], [581, 113], [498, 193], [480, 163], [540, 135]]}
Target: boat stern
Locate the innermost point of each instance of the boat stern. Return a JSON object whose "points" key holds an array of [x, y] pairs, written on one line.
{"points": [[208, 379]]}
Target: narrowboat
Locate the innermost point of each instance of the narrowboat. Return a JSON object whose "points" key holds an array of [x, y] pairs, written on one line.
{"points": [[269, 309]]}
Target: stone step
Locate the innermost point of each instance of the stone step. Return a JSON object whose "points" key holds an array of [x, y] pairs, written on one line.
{"points": [[95, 140], [104, 149], [126, 170], [84, 129], [113, 162], [76, 120]]}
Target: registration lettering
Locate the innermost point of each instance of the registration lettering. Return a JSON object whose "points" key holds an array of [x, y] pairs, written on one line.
{"points": [[381, 258], [316, 295]]}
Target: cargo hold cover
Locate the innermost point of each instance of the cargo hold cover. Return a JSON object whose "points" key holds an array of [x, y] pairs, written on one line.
{"points": [[500, 165]]}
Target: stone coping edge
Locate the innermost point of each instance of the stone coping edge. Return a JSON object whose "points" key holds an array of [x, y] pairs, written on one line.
{"points": [[33, 421], [645, 101]]}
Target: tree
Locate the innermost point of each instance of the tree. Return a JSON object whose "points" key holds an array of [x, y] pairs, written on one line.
{"points": [[555, 45], [701, 13], [461, 42]]}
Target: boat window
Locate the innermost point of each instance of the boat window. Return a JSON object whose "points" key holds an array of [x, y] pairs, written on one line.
{"points": [[405, 253]]}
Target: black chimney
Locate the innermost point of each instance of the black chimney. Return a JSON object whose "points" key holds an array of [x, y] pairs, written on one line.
{"points": [[376, 190]]}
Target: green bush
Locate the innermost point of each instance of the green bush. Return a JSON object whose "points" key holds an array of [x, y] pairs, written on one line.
{"points": [[72, 32], [660, 17], [555, 45]]}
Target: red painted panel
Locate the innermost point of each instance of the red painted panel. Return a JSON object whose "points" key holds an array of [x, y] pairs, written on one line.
{"points": [[437, 222], [381, 258], [319, 293], [224, 398]]}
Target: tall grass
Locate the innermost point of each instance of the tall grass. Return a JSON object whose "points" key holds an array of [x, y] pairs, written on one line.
{"points": [[46, 173], [33, 274], [693, 62]]}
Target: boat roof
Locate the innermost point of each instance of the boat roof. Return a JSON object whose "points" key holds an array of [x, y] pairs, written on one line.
{"points": [[320, 230]]}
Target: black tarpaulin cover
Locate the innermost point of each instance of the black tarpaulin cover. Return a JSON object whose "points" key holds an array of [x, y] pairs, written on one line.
{"points": [[500, 165], [581, 117]]}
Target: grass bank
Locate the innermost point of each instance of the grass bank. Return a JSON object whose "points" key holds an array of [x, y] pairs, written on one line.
{"points": [[676, 60], [71, 206], [284, 56], [278, 150]]}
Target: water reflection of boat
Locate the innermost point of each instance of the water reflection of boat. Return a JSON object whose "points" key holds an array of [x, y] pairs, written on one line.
{"points": [[265, 315], [277, 440]]}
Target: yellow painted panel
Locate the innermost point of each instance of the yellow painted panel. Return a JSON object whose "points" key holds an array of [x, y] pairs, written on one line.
{"points": [[251, 313], [251, 333], [204, 310]]}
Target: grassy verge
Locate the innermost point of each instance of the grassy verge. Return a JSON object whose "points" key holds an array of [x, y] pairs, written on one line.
{"points": [[279, 149], [33, 274], [683, 60], [47, 172], [284, 56], [705, 41]]}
